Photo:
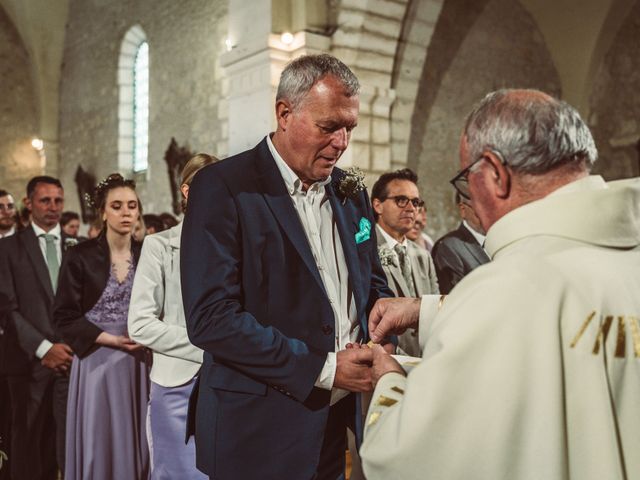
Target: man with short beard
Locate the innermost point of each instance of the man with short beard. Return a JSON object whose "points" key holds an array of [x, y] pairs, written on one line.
{"points": [[7, 214]]}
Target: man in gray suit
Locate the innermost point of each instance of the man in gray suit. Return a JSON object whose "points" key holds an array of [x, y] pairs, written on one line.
{"points": [[409, 269], [35, 362], [461, 250]]}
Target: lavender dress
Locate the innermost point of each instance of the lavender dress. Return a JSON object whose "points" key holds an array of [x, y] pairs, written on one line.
{"points": [[108, 394]]}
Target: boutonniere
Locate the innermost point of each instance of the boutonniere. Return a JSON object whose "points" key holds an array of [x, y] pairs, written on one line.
{"points": [[70, 242], [351, 183], [387, 256]]}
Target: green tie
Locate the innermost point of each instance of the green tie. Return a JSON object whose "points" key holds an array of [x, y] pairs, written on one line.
{"points": [[52, 259]]}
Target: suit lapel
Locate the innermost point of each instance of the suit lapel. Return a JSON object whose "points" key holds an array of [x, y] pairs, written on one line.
{"points": [[418, 272], [393, 271], [347, 224], [32, 247], [472, 245], [281, 205]]}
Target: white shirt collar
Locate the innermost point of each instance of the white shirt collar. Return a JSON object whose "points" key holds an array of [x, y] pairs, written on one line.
{"points": [[391, 242], [291, 180], [478, 236], [55, 231], [9, 233]]}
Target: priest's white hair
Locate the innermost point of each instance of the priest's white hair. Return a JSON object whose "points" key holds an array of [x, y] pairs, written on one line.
{"points": [[534, 132]]}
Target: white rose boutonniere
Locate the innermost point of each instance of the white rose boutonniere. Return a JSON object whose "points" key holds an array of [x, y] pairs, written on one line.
{"points": [[70, 242], [387, 256], [351, 184]]}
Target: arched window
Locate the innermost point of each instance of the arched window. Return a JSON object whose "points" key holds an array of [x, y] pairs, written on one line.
{"points": [[133, 111]]}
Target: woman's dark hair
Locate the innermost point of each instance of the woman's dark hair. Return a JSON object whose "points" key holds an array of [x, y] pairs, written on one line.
{"points": [[99, 197]]}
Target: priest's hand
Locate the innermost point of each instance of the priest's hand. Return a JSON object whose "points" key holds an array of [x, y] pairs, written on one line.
{"points": [[383, 363], [353, 370], [393, 316]]}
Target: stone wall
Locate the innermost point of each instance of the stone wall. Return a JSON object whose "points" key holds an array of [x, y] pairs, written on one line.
{"points": [[185, 40], [615, 105], [473, 51], [18, 124]]}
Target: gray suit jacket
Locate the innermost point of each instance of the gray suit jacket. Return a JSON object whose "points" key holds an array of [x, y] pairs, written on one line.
{"points": [[24, 280], [455, 255], [423, 272]]}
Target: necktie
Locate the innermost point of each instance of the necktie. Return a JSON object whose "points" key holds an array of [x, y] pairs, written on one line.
{"points": [[405, 268], [52, 259]]}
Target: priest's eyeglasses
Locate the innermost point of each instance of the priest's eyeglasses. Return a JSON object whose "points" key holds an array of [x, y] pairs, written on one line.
{"points": [[461, 181], [402, 201]]}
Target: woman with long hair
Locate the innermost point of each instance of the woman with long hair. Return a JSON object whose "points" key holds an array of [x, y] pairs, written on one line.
{"points": [[156, 320], [108, 384]]}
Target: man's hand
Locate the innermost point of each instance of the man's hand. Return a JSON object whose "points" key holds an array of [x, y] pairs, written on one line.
{"points": [[393, 316], [353, 370], [383, 363], [58, 358]]}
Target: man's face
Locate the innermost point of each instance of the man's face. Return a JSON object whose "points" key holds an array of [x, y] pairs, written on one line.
{"points": [[72, 228], [7, 212], [391, 217], [418, 225], [46, 204], [317, 131], [480, 202]]}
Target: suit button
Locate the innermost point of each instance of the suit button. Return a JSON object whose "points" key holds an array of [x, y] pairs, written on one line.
{"points": [[327, 330]]}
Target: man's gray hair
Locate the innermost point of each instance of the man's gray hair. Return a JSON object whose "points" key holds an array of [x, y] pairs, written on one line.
{"points": [[533, 131], [301, 74]]}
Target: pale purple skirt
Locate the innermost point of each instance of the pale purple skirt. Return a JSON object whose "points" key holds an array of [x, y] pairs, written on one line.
{"points": [[106, 417], [171, 458]]}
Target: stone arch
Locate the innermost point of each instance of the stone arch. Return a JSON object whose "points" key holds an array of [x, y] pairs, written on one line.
{"points": [[131, 42], [18, 123], [475, 48]]}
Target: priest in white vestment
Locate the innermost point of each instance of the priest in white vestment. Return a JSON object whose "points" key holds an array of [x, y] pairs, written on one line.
{"points": [[531, 366]]}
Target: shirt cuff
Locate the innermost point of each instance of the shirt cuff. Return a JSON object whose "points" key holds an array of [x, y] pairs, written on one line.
{"points": [[328, 373], [429, 307], [43, 348]]}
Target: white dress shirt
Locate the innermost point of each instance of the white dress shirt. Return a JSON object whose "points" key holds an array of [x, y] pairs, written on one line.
{"points": [[10, 232], [316, 216], [56, 231], [391, 242]]}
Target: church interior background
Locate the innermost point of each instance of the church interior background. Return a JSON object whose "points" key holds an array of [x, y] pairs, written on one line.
{"points": [[106, 84]]}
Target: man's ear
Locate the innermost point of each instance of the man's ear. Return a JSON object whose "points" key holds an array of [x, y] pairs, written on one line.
{"points": [[283, 113], [27, 203], [377, 206], [500, 176]]}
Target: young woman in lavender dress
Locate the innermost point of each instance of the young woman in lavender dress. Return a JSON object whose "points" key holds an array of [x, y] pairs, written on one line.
{"points": [[156, 320], [109, 383]]}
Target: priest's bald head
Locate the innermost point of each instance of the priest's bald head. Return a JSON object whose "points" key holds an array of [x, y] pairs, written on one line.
{"points": [[518, 146]]}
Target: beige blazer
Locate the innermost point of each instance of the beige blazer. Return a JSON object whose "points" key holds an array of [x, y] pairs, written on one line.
{"points": [[425, 280], [156, 315]]}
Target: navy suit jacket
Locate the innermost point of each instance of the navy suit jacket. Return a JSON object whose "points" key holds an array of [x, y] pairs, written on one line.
{"points": [[255, 303], [455, 255]]}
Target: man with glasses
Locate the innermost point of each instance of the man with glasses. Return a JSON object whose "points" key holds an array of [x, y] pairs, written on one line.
{"points": [[461, 250], [409, 269], [7, 214], [531, 368]]}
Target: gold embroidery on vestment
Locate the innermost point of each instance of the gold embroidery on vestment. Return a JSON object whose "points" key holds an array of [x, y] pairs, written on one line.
{"points": [[622, 338], [602, 335], [635, 334], [386, 401], [373, 418], [583, 328], [398, 390]]}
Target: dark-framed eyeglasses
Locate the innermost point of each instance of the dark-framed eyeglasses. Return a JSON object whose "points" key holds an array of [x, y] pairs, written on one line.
{"points": [[402, 201], [461, 181]]}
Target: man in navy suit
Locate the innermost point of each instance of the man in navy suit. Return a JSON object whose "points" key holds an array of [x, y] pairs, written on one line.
{"points": [[279, 272]]}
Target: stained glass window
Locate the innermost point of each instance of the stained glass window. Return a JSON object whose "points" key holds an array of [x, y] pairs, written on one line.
{"points": [[141, 108]]}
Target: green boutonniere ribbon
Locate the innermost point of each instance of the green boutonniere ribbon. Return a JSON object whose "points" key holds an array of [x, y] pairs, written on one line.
{"points": [[365, 231]]}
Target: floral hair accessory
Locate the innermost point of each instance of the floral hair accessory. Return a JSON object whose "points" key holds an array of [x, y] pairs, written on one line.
{"points": [[112, 181], [351, 183]]}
